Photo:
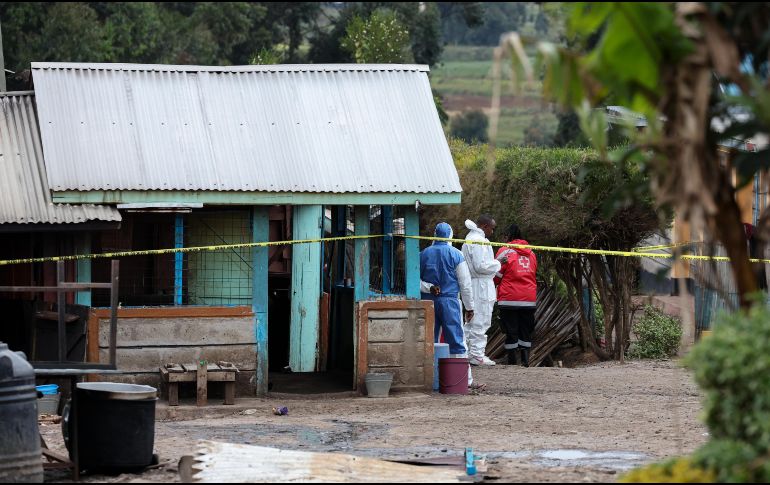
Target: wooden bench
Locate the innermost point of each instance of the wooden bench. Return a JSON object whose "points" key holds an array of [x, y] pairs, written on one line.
{"points": [[201, 373]]}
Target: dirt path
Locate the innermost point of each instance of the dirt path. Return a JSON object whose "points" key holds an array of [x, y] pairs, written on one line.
{"points": [[543, 424]]}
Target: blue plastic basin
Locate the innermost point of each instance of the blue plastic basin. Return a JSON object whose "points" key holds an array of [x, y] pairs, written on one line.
{"points": [[48, 389]]}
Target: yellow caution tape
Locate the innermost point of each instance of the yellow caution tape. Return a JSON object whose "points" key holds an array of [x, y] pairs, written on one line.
{"points": [[665, 246], [602, 252], [635, 253], [151, 252]]}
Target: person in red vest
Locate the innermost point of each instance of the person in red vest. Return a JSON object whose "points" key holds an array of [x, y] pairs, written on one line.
{"points": [[517, 295]]}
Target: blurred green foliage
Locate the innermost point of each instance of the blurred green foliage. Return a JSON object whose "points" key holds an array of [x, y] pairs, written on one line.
{"points": [[658, 335]]}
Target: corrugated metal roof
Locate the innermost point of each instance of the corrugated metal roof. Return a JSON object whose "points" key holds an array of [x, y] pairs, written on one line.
{"points": [[283, 128], [24, 194]]}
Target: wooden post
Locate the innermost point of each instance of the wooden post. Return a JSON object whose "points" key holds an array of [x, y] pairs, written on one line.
{"points": [[61, 304], [202, 381], [361, 290], [173, 394], [260, 232], [305, 289], [412, 254], [229, 393], [83, 246], [340, 228], [114, 302]]}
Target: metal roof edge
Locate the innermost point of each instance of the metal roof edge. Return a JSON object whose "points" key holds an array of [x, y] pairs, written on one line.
{"points": [[17, 93], [250, 68]]}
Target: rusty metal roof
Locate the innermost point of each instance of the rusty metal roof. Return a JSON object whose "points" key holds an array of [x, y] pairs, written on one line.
{"points": [[334, 128], [24, 194]]}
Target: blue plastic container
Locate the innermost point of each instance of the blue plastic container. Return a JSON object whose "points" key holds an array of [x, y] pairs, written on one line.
{"points": [[48, 389], [440, 351]]}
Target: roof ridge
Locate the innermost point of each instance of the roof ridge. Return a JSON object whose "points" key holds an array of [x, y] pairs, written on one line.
{"points": [[242, 68]]}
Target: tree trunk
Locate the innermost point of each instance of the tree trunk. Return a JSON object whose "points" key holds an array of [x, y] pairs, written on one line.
{"points": [[727, 226]]}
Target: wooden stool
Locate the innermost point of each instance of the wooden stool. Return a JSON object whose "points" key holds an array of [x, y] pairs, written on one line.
{"points": [[201, 373]]}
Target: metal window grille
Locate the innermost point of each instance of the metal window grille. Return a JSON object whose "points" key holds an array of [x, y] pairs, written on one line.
{"points": [[387, 276], [221, 277]]}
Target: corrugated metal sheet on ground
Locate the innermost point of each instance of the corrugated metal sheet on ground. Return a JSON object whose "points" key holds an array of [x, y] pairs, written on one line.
{"points": [[24, 194], [285, 128]]}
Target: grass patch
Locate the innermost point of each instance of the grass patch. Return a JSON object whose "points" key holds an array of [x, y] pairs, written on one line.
{"points": [[467, 53], [513, 122], [467, 71]]}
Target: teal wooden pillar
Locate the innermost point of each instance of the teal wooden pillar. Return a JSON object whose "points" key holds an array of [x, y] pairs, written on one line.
{"points": [[305, 289], [412, 253], [178, 259], [83, 268], [260, 231], [361, 270]]}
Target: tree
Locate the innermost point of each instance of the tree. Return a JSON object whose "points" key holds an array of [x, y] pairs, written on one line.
{"points": [[422, 20], [291, 23], [443, 116], [470, 126], [568, 132], [225, 23], [163, 32], [671, 62], [557, 199], [379, 39], [72, 32], [541, 23], [426, 35], [497, 19], [135, 30], [536, 134], [268, 56], [458, 17], [21, 24]]}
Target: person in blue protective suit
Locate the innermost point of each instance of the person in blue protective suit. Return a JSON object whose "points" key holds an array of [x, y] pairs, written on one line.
{"points": [[445, 279]]}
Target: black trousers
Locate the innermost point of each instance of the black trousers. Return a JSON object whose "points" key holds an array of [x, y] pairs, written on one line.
{"points": [[519, 325]]}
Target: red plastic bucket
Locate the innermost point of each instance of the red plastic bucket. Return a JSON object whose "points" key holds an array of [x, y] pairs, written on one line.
{"points": [[453, 375]]}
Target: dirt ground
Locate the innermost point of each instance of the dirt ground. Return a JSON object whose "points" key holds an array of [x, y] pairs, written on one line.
{"points": [[584, 424]]}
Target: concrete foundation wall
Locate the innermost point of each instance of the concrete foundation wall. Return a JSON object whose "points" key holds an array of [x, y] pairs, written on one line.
{"points": [[150, 338], [396, 337]]}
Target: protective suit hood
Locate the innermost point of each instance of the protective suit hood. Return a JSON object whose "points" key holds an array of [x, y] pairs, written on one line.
{"points": [[443, 230], [473, 227]]}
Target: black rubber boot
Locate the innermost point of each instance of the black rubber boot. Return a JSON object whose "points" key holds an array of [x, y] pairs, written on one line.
{"points": [[513, 357], [525, 357]]}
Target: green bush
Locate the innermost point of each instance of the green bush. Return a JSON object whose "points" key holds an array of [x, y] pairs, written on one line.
{"points": [[553, 194], [733, 461], [677, 470], [598, 315], [732, 367], [470, 126], [658, 335], [382, 38]]}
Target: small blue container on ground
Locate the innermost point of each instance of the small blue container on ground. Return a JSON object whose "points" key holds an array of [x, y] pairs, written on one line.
{"points": [[440, 351], [48, 389], [49, 402]]}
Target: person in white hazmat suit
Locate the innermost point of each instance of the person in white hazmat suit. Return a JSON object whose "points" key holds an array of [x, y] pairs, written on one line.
{"points": [[483, 267], [445, 280]]}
